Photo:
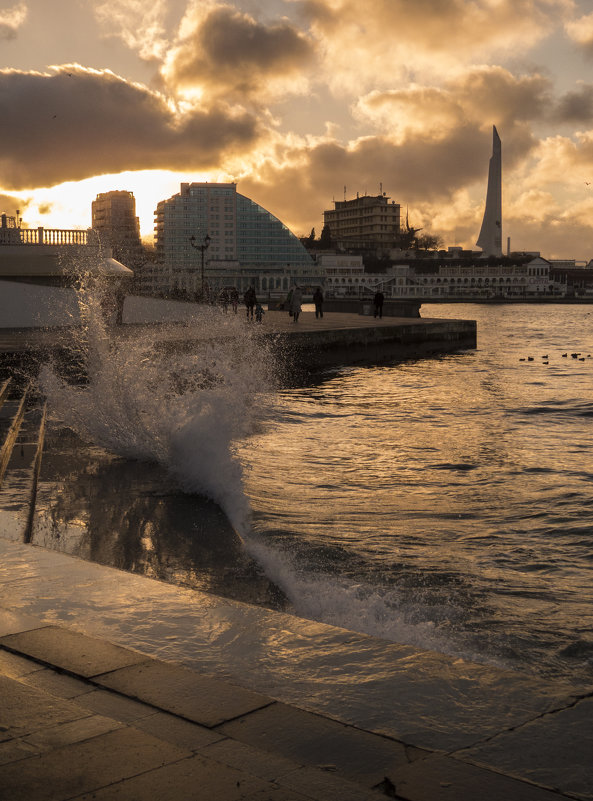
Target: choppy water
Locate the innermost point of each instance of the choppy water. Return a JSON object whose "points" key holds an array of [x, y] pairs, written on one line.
{"points": [[443, 502]]}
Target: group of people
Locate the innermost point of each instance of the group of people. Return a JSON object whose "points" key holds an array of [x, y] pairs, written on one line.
{"points": [[254, 309], [293, 303], [227, 297]]}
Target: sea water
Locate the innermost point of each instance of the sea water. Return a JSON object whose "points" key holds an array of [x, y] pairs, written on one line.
{"points": [[442, 502]]}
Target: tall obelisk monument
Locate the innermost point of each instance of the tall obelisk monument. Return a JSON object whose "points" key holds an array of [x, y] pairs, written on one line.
{"points": [[490, 239]]}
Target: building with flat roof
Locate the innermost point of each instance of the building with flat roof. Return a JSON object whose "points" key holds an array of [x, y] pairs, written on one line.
{"points": [[235, 241], [118, 228], [114, 218], [369, 222]]}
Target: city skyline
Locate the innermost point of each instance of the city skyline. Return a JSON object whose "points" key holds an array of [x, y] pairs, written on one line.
{"points": [[303, 103]]}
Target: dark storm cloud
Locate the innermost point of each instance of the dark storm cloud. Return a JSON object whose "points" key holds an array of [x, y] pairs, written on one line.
{"points": [[229, 48], [76, 123], [421, 171], [576, 106]]}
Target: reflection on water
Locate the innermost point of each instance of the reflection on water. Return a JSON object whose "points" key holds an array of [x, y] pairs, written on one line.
{"points": [[130, 515], [443, 502]]}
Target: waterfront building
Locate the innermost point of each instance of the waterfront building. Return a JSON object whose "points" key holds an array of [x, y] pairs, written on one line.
{"points": [[536, 278], [501, 281], [369, 222], [118, 229], [209, 234], [490, 238]]}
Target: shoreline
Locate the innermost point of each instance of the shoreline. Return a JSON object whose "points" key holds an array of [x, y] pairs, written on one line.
{"points": [[471, 727]]}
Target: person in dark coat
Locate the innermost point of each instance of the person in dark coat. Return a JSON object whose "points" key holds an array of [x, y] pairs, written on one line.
{"points": [[378, 303], [250, 301], [318, 301]]}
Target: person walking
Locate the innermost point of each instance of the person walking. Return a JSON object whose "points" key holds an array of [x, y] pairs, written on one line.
{"points": [[318, 301], [234, 299], [295, 303], [250, 301], [378, 303]]}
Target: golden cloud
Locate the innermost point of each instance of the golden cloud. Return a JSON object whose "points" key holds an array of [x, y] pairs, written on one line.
{"points": [[73, 123], [581, 32], [138, 24], [406, 39], [224, 51], [11, 20]]}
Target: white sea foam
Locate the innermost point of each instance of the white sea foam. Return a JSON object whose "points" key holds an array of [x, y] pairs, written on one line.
{"points": [[181, 406]]}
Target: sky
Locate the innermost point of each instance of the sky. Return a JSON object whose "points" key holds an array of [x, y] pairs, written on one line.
{"points": [[303, 102]]}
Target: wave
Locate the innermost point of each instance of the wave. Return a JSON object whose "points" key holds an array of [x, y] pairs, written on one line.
{"points": [[179, 395]]}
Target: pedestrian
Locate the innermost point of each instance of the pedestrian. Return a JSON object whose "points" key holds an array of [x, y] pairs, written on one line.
{"points": [[234, 299], [378, 303], [295, 303], [224, 300], [318, 301], [259, 313], [288, 302], [250, 301]]}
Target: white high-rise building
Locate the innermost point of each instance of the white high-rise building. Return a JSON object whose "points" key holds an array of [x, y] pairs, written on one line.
{"points": [[490, 239], [209, 231]]}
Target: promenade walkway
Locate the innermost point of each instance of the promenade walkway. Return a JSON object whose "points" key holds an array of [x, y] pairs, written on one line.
{"points": [[114, 686], [338, 338]]}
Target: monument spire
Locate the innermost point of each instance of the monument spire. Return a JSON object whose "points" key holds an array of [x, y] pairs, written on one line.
{"points": [[490, 239]]}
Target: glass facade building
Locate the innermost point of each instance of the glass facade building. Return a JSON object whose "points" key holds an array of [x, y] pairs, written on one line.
{"points": [[245, 241]]}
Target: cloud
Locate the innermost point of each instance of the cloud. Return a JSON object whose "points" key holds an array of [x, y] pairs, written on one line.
{"points": [[138, 24], [9, 204], [11, 20], [300, 183], [73, 123], [394, 40], [576, 106], [225, 51], [581, 32], [432, 114]]}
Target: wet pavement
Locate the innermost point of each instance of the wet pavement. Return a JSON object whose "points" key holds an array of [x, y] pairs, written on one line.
{"points": [[117, 686]]}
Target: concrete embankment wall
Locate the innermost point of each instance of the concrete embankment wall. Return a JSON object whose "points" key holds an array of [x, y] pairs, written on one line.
{"points": [[402, 340]]}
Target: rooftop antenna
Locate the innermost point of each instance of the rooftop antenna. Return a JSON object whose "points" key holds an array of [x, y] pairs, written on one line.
{"points": [[381, 188], [344, 193]]}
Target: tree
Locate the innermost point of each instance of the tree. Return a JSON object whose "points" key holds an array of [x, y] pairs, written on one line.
{"points": [[325, 240], [429, 242]]}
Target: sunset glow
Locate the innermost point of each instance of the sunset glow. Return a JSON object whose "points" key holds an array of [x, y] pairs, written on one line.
{"points": [[301, 101]]}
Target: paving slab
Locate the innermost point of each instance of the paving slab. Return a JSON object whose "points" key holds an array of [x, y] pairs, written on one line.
{"points": [[24, 710], [325, 786], [178, 731], [13, 750], [194, 778], [277, 794], [313, 740], [118, 707], [58, 684], [66, 772], [243, 756], [184, 692], [71, 651], [15, 666], [555, 750], [67, 733], [447, 779]]}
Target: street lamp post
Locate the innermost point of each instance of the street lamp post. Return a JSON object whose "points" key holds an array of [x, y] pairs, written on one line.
{"points": [[203, 247]]}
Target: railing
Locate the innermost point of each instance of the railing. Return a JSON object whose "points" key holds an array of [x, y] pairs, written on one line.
{"points": [[47, 236]]}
